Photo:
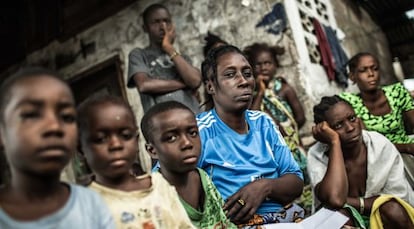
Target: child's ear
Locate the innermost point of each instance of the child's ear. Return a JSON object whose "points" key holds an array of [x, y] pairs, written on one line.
{"points": [[151, 150], [145, 28], [210, 88], [352, 77]]}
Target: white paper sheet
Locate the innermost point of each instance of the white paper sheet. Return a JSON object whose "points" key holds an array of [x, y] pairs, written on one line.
{"points": [[322, 219]]}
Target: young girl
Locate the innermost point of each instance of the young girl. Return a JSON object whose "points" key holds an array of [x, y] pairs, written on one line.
{"points": [[171, 132], [39, 134], [263, 59], [276, 97], [109, 141]]}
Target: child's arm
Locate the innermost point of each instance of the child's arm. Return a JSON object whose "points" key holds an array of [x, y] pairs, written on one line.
{"points": [[261, 87], [139, 70], [190, 75], [295, 104], [148, 85]]}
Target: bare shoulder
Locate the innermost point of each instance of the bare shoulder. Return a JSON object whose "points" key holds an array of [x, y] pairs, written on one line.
{"points": [[287, 90]]}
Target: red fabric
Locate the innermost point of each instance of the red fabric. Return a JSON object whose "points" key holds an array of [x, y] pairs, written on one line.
{"points": [[326, 54]]}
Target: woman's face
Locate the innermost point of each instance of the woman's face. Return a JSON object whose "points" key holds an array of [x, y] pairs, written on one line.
{"points": [[235, 84], [366, 74]]}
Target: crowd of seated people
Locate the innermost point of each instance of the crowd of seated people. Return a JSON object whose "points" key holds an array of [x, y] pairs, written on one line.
{"points": [[235, 161]]}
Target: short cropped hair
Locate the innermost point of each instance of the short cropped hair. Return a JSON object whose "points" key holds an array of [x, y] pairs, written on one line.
{"points": [[86, 107], [150, 9], [147, 124], [326, 103], [29, 72]]}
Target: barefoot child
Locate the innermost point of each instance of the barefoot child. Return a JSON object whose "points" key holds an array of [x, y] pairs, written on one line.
{"points": [[170, 130], [39, 134], [109, 141]]}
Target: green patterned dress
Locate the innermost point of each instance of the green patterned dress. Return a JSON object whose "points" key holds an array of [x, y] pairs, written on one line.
{"points": [[211, 215], [392, 124], [282, 114]]}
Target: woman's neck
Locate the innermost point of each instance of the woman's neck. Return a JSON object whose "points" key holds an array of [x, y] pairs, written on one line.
{"points": [[371, 95], [235, 121], [353, 152]]}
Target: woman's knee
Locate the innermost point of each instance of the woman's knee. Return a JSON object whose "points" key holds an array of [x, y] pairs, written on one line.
{"points": [[394, 215]]}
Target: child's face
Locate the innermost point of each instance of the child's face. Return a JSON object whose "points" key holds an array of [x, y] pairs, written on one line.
{"points": [[265, 65], [39, 129], [366, 75], [341, 118], [156, 21], [235, 82], [176, 143], [110, 142]]}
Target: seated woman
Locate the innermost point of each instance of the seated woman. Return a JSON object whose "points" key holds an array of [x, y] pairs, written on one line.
{"points": [[242, 150], [381, 109], [357, 170]]}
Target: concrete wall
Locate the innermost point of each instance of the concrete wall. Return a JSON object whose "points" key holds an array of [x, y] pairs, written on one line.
{"points": [[363, 35], [235, 22]]}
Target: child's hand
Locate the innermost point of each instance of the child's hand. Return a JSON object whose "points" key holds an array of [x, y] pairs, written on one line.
{"points": [[260, 83], [169, 37], [324, 133]]}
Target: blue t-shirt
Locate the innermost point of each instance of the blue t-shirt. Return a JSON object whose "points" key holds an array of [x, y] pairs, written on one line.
{"points": [[233, 160], [84, 209]]}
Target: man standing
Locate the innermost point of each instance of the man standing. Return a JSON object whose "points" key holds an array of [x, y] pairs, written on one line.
{"points": [[160, 72]]}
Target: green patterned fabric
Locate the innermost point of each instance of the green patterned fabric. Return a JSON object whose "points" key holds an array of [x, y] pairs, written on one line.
{"points": [[212, 215], [281, 113], [392, 124], [360, 221]]}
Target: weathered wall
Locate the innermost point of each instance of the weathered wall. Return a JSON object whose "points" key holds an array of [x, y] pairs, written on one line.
{"points": [[234, 21], [363, 35]]}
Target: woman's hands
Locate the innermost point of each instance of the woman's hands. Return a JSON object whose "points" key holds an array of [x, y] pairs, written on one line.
{"points": [[241, 206], [324, 133]]}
